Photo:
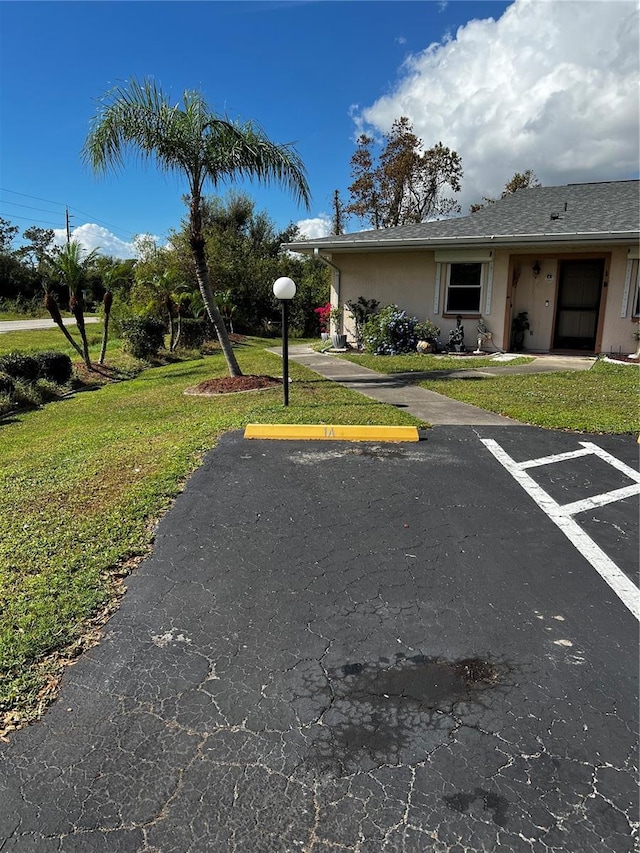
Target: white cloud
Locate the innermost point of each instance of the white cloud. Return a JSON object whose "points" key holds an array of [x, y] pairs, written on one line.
{"points": [[319, 226], [550, 86], [91, 236]]}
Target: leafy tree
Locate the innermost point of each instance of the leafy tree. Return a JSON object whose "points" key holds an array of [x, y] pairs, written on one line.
{"points": [[520, 181], [8, 233], [406, 185], [39, 249], [201, 146], [244, 251], [17, 282], [364, 191]]}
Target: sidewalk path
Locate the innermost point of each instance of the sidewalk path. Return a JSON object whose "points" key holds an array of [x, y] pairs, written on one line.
{"points": [[400, 389]]}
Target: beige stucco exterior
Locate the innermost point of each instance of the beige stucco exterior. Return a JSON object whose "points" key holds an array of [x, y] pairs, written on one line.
{"points": [[411, 279]]}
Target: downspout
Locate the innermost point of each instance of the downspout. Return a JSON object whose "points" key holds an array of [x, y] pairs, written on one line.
{"points": [[336, 275]]}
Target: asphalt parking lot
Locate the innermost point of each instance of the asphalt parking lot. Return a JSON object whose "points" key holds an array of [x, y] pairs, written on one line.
{"points": [[357, 647]]}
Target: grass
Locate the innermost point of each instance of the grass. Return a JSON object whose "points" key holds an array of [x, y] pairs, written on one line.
{"points": [[82, 481], [603, 399], [424, 362], [40, 340]]}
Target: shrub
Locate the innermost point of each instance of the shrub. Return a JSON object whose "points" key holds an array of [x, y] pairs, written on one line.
{"points": [[427, 331], [323, 313], [47, 390], [361, 311], [142, 337], [6, 384], [193, 333], [6, 403], [26, 393], [390, 332], [55, 367], [19, 365]]}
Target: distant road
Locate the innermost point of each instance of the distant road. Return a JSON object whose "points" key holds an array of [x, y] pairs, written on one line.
{"points": [[23, 325]]}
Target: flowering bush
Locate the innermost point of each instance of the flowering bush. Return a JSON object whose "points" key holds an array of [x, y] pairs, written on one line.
{"points": [[323, 313], [390, 332]]}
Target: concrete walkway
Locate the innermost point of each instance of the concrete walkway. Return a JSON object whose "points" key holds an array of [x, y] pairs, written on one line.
{"points": [[400, 390]]}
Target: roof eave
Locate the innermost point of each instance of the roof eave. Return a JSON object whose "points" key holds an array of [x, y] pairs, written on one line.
{"points": [[604, 237]]}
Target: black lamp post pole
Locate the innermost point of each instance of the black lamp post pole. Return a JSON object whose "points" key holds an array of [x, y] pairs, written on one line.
{"points": [[284, 289], [285, 351]]}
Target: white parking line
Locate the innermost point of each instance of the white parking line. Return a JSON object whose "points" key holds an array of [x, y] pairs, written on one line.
{"points": [[626, 591]]}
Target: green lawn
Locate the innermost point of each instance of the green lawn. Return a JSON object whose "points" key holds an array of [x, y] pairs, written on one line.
{"points": [[40, 340], [423, 362], [82, 480], [603, 399]]}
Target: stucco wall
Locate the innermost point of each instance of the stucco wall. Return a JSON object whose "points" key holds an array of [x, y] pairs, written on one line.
{"points": [[404, 278], [408, 280], [617, 332]]}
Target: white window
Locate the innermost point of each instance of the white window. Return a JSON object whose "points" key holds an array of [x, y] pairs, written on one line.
{"points": [[464, 288], [467, 277]]}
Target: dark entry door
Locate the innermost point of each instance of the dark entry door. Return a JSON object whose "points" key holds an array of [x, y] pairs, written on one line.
{"points": [[579, 288]]}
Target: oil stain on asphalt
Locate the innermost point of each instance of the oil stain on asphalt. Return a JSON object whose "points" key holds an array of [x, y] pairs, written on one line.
{"points": [[397, 711]]}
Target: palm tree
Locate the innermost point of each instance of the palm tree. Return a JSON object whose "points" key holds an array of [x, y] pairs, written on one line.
{"points": [[71, 264], [189, 139]]}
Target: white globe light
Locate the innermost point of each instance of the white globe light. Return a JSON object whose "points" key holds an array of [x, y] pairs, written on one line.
{"points": [[284, 288]]}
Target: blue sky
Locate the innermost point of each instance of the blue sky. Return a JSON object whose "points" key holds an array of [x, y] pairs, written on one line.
{"points": [[543, 84]]}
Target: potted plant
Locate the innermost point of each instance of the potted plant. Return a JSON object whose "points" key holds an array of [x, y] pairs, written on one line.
{"points": [[519, 326], [338, 339]]}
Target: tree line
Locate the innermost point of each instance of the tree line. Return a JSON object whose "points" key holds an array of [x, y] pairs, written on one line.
{"points": [[244, 253]]}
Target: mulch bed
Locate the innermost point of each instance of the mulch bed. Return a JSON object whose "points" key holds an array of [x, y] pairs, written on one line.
{"points": [[233, 384]]}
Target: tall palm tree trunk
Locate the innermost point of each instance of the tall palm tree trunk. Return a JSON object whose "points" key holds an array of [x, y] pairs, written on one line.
{"points": [[196, 241]]}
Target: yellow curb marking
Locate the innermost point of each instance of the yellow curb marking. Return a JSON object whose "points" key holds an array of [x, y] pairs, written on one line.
{"points": [[332, 432]]}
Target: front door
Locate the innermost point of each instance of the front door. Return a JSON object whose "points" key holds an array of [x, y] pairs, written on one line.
{"points": [[579, 288]]}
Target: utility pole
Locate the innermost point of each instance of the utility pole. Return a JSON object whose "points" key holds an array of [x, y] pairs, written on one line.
{"points": [[67, 221]]}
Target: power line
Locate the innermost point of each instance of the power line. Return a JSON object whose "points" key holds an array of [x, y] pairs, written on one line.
{"points": [[36, 221], [124, 231], [35, 197], [28, 206]]}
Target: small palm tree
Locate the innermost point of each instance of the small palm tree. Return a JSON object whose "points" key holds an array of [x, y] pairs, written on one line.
{"points": [[71, 265], [188, 138]]}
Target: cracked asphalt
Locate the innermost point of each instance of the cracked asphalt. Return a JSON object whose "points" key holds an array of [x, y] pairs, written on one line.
{"points": [[352, 647]]}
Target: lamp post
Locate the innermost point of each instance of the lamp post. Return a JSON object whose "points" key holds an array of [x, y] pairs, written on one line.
{"points": [[284, 289]]}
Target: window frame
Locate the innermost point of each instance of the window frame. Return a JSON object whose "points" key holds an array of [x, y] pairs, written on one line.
{"points": [[481, 288]]}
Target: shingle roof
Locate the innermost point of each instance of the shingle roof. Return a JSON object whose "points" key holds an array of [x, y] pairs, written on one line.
{"points": [[589, 211]]}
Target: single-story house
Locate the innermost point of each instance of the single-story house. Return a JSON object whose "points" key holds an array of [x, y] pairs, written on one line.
{"points": [[566, 255]]}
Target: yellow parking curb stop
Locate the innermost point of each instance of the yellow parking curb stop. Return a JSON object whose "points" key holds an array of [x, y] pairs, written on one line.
{"points": [[329, 432]]}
